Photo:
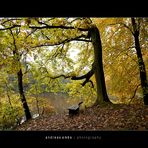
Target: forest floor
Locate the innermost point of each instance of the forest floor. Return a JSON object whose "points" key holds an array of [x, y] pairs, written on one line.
{"points": [[107, 117]]}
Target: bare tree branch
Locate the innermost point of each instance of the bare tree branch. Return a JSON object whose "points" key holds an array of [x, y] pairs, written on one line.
{"points": [[127, 27], [131, 99], [76, 19], [10, 20], [86, 81], [43, 23], [86, 76], [55, 77], [45, 36], [92, 84], [33, 30], [58, 76], [14, 43], [57, 27], [64, 41], [124, 25], [14, 26]]}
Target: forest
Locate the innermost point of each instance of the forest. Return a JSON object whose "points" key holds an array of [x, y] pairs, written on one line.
{"points": [[73, 73]]}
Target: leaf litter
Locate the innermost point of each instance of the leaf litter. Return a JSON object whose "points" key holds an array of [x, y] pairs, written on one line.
{"points": [[111, 117]]}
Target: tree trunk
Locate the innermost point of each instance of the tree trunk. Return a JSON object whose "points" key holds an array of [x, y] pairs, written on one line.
{"points": [[20, 79], [99, 72], [141, 64], [22, 96]]}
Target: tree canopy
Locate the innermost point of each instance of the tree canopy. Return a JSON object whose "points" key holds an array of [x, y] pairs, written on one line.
{"points": [[96, 60]]}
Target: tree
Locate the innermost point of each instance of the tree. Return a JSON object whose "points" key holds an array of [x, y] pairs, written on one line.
{"points": [[93, 36], [99, 72], [142, 70], [11, 40], [121, 64], [20, 79]]}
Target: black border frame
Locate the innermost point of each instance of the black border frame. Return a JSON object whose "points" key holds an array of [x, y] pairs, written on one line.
{"points": [[73, 9]]}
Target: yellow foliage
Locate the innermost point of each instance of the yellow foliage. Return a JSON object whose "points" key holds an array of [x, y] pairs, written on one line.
{"points": [[79, 93]]}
